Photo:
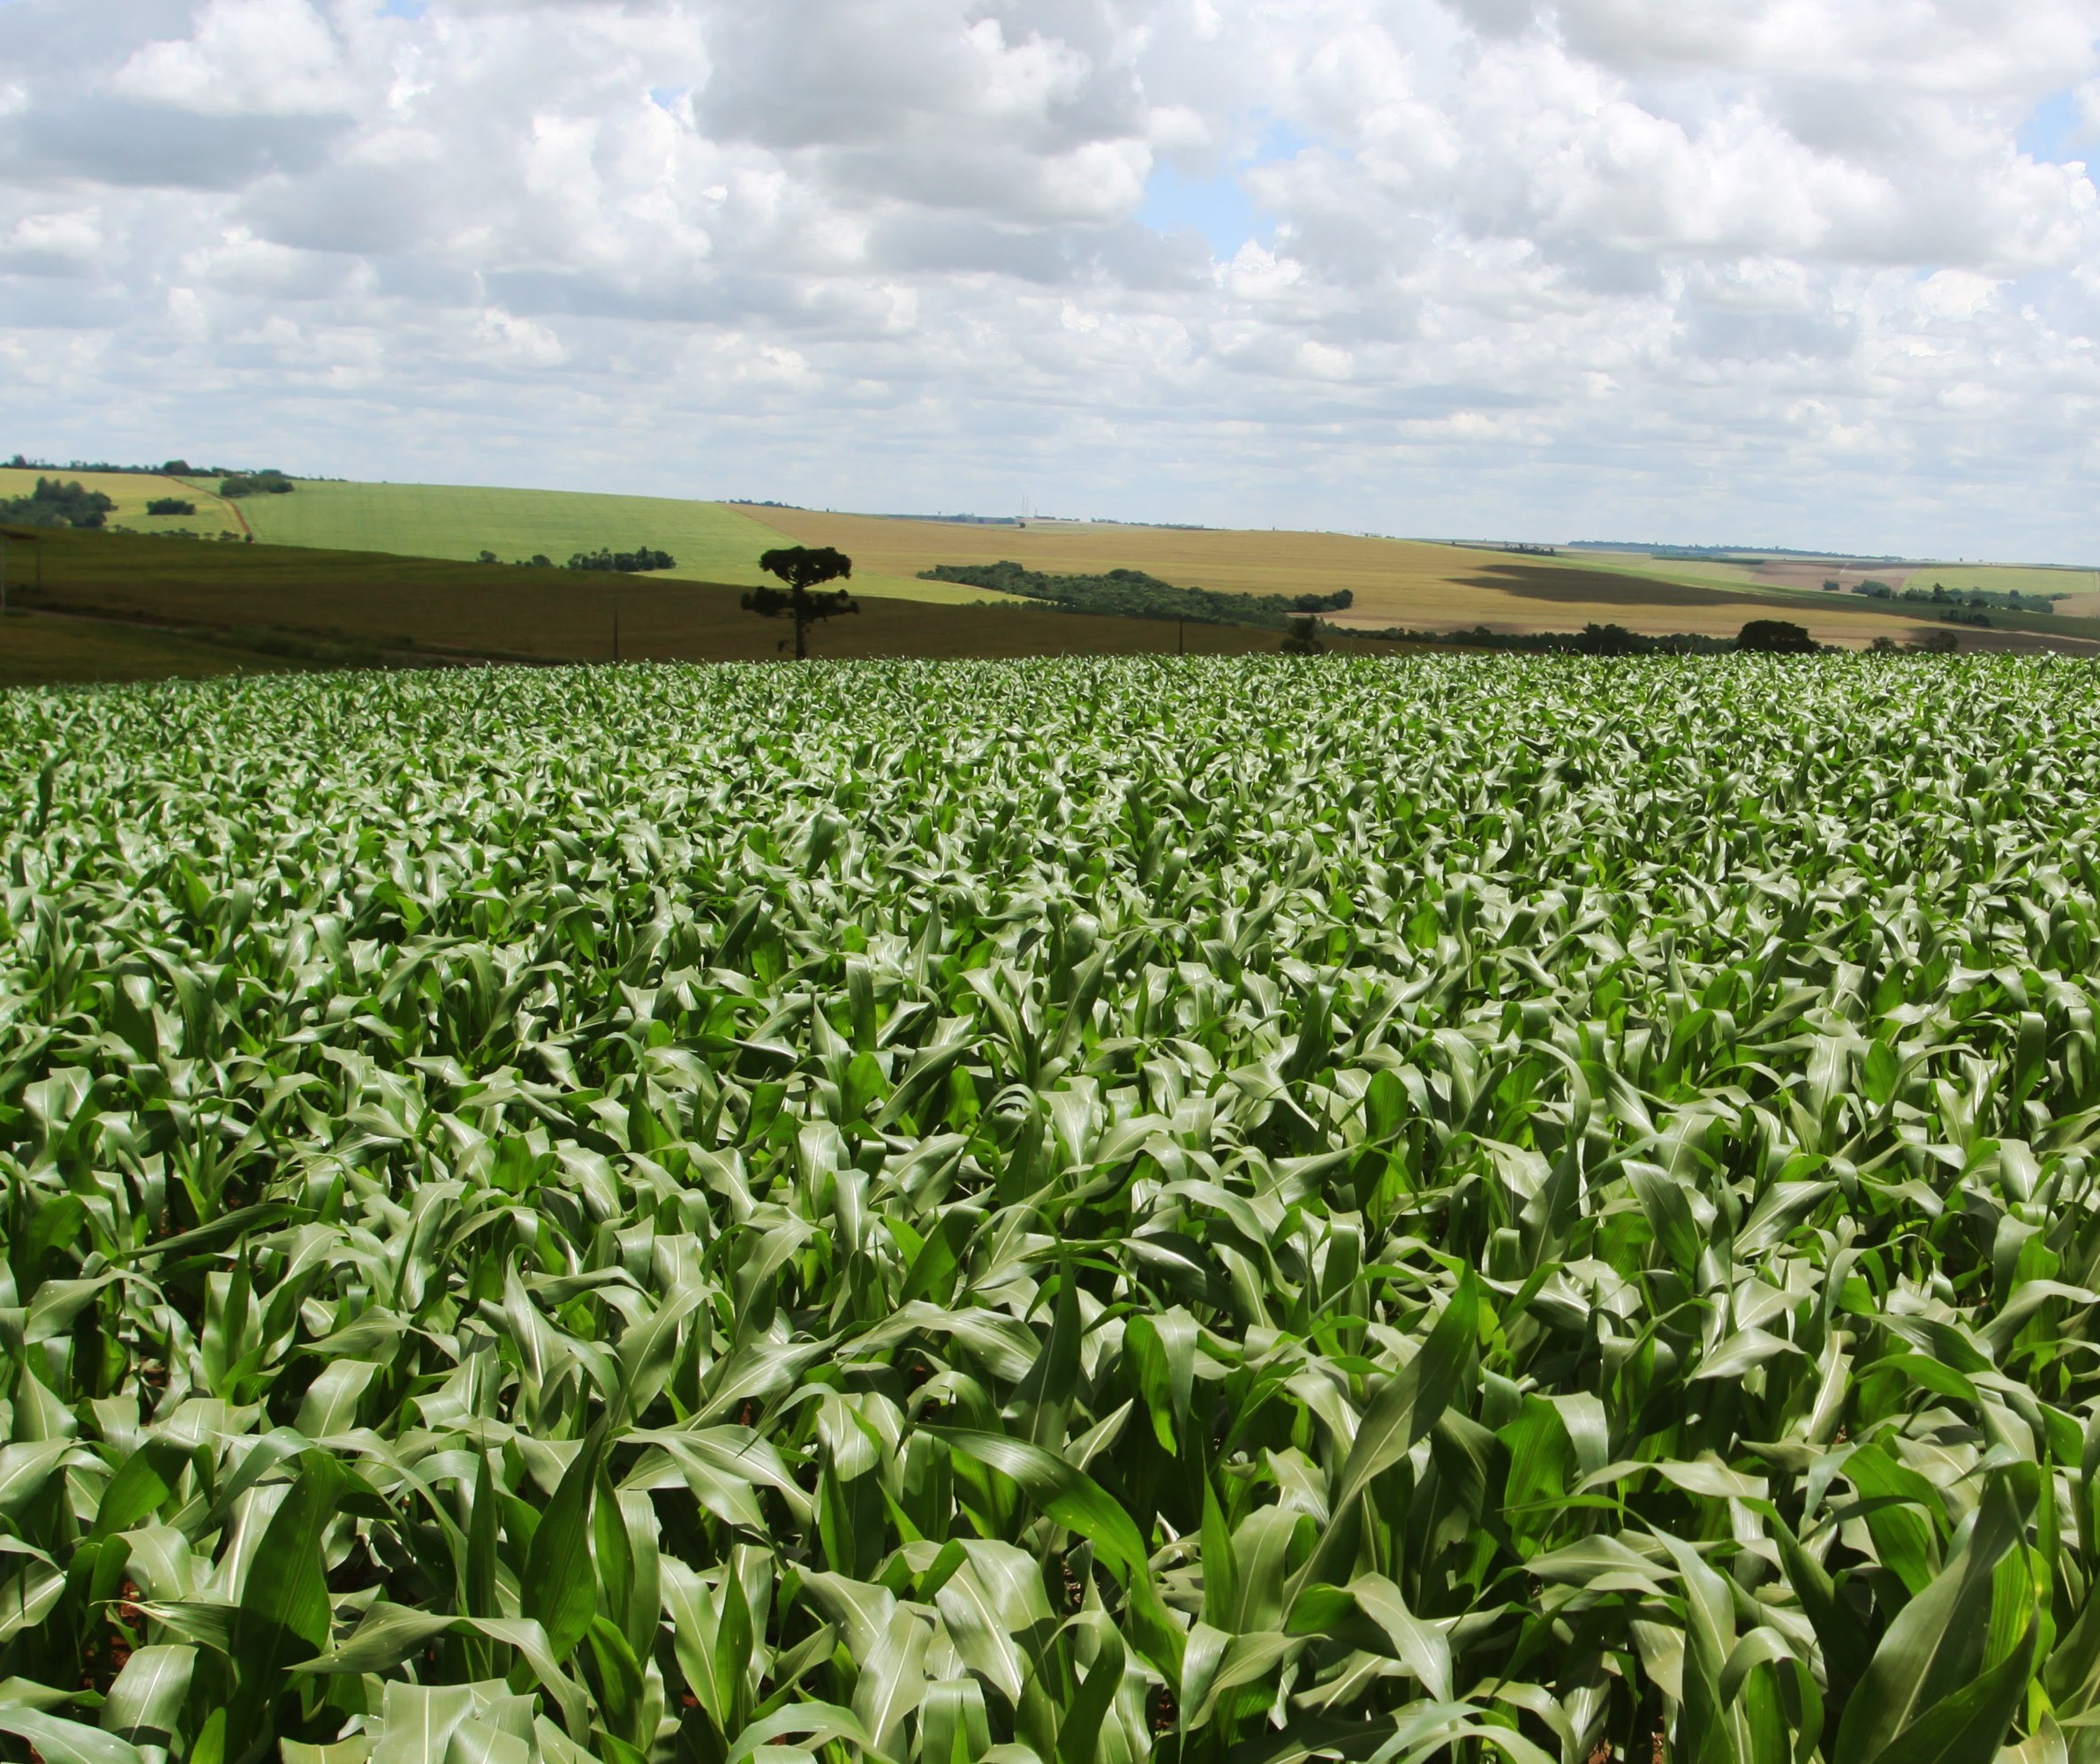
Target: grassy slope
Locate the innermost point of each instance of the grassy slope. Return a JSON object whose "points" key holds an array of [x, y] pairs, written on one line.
{"points": [[40, 649], [432, 606], [712, 542], [130, 491], [1395, 581]]}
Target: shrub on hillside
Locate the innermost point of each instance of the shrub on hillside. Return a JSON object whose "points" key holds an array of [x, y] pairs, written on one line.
{"points": [[1775, 636], [56, 504], [170, 505], [256, 484], [625, 562]]}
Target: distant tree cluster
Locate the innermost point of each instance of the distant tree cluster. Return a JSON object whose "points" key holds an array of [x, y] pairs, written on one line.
{"points": [[1131, 593], [54, 503], [178, 468], [170, 505], [173, 468], [224, 535], [255, 484], [1960, 606], [634, 563], [2009, 598]]}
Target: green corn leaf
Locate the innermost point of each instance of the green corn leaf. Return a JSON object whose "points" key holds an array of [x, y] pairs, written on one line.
{"points": [[893, 1679], [145, 1701], [1934, 1647], [558, 1589], [145, 1484], [284, 1612], [1067, 1496], [1079, 1732], [1968, 1725], [1408, 1405], [60, 1741]]}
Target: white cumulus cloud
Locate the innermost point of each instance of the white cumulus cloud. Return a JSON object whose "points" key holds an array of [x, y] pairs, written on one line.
{"points": [[274, 58], [1791, 270]]}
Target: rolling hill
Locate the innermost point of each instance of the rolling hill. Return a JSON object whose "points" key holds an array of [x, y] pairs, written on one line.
{"points": [[1415, 583]]}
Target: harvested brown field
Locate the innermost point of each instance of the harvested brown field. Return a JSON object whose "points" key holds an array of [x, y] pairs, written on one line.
{"points": [[1395, 581]]}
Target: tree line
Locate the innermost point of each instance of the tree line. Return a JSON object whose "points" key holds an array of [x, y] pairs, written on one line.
{"points": [[54, 503], [1131, 593], [640, 561], [255, 484], [1960, 600], [637, 561]]}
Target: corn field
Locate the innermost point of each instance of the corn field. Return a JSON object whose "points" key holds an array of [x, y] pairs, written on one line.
{"points": [[1527, 1211]]}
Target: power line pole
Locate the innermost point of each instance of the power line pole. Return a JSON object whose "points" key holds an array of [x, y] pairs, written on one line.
{"points": [[25, 538], [616, 624]]}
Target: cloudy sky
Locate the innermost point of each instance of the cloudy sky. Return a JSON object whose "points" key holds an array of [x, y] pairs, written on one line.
{"points": [[1805, 272]]}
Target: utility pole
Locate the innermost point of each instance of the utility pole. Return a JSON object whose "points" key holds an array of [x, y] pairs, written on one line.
{"points": [[1181, 636], [616, 624], [7, 533]]}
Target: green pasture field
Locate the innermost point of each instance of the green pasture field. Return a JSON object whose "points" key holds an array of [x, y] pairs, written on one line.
{"points": [[1224, 1211], [712, 542], [130, 491]]}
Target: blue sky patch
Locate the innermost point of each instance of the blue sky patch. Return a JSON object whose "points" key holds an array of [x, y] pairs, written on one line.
{"points": [[1217, 207], [2057, 131]]}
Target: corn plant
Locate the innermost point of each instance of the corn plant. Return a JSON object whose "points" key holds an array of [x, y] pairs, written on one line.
{"points": [[1057, 1213]]}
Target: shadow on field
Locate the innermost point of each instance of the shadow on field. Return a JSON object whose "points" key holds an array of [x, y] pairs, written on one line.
{"points": [[1595, 588], [293, 600]]}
